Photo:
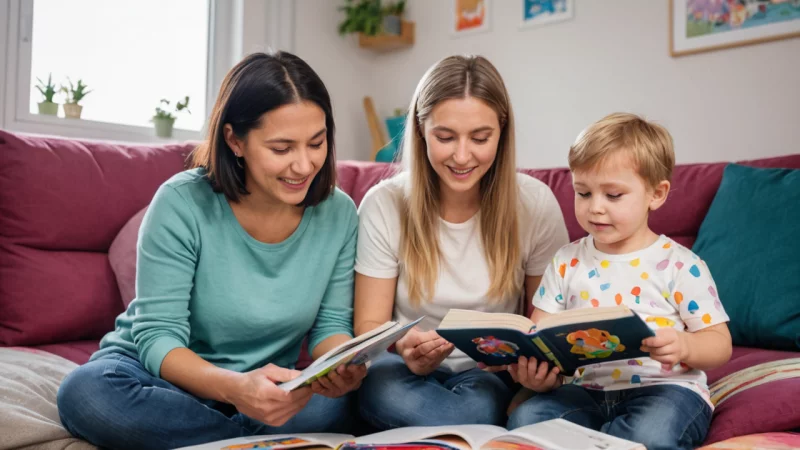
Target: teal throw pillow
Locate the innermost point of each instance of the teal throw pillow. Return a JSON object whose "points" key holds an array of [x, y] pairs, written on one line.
{"points": [[750, 240]]}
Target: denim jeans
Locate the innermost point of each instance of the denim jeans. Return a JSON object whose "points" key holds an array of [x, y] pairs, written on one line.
{"points": [[660, 417], [392, 396], [114, 402]]}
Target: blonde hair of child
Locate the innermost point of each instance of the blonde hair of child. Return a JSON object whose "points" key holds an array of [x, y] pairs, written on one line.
{"points": [[648, 145]]}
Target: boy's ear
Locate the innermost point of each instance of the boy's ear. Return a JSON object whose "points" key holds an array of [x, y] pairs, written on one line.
{"points": [[659, 196]]}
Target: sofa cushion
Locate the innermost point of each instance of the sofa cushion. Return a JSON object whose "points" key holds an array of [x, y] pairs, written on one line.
{"points": [[749, 241], [62, 202], [78, 352], [122, 257], [29, 381], [767, 407], [764, 441]]}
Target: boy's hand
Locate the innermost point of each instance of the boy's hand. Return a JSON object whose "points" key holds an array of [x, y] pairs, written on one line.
{"points": [[534, 375], [423, 351], [669, 347]]}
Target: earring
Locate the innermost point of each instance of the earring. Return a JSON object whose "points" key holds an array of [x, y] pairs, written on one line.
{"points": [[239, 160]]}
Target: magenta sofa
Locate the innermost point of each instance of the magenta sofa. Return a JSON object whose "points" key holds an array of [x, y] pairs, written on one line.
{"points": [[63, 202]]}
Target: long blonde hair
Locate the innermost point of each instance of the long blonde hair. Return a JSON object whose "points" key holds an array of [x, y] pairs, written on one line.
{"points": [[452, 78]]}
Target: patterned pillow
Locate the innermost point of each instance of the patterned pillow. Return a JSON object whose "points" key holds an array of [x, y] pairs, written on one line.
{"points": [[765, 441], [29, 381]]}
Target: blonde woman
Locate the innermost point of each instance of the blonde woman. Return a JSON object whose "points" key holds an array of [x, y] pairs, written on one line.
{"points": [[458, 228]]}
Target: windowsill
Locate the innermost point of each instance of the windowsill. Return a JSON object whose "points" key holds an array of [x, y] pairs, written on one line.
{"points": [[91, 129]]}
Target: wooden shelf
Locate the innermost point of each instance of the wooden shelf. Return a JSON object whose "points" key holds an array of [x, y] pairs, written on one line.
{"points": [[389, 42]]}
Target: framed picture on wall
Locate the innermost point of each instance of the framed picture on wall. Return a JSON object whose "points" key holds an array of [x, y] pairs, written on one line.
{"points": [[470, 16], [540, 12], [704, 25]]}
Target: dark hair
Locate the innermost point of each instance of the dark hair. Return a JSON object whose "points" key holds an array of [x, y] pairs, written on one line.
{"points": [[258, 84]]}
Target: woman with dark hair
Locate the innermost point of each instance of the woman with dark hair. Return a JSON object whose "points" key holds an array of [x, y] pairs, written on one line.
{"points": [[238, 260]]}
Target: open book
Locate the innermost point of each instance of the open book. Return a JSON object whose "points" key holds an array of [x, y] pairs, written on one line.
{"points": [[569, 340], [555, 434], [358, 350]]}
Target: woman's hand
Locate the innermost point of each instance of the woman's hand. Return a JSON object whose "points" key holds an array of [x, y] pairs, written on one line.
{"points": [[423, 351], [534, 375], [336, 383], [257, 396]]}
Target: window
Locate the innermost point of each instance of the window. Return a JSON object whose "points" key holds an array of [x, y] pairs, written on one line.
{"points": [[129, 54]]}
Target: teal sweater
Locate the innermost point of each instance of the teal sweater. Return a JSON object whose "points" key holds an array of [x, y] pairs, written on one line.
{"points": [[202, 282]]}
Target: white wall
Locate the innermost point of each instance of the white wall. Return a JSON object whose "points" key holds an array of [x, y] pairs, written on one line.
{"points": [[613, 56], [347, 71]]}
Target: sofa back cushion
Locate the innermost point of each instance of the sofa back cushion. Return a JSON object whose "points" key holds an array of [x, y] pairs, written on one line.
{"points": [[693, 190], [62, 202]]}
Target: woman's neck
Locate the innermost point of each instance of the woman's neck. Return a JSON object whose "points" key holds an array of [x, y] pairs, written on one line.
{"points": [[266, 218], [458, 207]]}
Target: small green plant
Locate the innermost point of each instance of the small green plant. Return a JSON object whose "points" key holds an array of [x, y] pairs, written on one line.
{"points": [[74, 93], [48, 89], [162, 113], [361, 16], [395, 9]]}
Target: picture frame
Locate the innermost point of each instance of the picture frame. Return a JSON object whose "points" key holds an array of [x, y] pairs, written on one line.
{"points": [[470, 17], [698, 26], [536, 13]]}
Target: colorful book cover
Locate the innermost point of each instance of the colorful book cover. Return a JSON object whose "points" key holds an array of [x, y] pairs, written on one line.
{"points": [[567, 346]]}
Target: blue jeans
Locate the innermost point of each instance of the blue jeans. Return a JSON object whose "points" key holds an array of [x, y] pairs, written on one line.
{"points": [[660, 417], [392, 396], [114, 402]]}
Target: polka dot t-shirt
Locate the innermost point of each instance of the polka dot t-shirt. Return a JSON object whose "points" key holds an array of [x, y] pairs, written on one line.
{"points": [[665, 284]]}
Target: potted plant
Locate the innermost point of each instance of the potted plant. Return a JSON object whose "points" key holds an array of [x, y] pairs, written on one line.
{"points": [[361, 16], [393, 16], [73, 95], [48, 90], [164, 119]]}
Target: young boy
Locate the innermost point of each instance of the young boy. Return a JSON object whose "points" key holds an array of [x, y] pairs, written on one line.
{"points": [[621, 167]]}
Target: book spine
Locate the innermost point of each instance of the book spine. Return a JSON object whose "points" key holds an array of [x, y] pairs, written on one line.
{"points": [[547, 352]]}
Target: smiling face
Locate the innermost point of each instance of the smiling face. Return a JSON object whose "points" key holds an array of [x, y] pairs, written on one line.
{"points": [[462, 136], [284, 154], [612, 203]]}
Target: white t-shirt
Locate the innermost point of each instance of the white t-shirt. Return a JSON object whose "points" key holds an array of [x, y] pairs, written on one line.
{"points": [[665, 284], [463, 271]]}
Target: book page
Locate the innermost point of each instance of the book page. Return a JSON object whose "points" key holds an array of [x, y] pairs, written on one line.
{"points": [[473, 435], [462, 318], [360, 354], [284, 441], [559, 434], [584, 315], [345, 346]]}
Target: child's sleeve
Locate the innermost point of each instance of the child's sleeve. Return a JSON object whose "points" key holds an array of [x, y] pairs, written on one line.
{"points": [[549, 296], [695, 296]]}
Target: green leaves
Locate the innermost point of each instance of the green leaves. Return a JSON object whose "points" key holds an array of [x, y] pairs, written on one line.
{"points": [[365, 16], [48, 90], [74, 94], [167, 113]]}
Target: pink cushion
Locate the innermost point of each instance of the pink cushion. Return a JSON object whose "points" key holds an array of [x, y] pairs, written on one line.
{"points": [[356, 177], [769, 407], [62, 202], [765, 441], [76, 351], [122, 257]]}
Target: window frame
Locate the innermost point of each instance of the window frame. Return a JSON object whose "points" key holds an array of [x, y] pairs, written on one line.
{"points": [[16, 57]]}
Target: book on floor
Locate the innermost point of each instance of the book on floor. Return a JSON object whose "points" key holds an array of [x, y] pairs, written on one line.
{"points": [[569, 340], [557, 434], [358, 350]]}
